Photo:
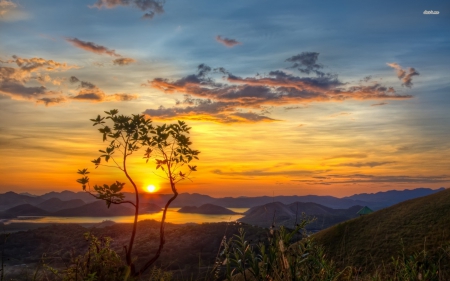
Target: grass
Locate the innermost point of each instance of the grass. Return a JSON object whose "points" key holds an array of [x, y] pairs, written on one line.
{"points": [[414, 226]]}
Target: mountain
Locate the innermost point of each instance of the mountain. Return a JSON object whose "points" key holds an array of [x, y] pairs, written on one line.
{"points": [[67, 195], [23, 210], [11, 199], [291, 214], [207, 209], [95, 209], [56, 204], [145, 208], [411, 226], [388, 198]]}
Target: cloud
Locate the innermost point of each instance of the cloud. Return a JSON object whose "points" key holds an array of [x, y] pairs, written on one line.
{"points": [[150, 7], [6, 6], [51, 101], [92, 47], [306, 62], [123, 61], [264, 173], [379, 104], [364, 164], [278, 88], [350, 155], [363, 178], [90, 92], [404, 75], [340, 114], [13, 80], [207, 110], [227, 41]]}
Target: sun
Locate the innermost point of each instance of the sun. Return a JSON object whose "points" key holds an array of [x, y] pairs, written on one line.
{"points": [[151, 188]]}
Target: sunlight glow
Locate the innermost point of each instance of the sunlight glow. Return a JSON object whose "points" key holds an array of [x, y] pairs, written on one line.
{"points": [[151, 188]]}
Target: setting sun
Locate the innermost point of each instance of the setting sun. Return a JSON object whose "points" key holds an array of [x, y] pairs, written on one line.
{"points": [[151, 188]]}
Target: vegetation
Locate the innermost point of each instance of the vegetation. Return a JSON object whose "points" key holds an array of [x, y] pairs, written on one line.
{"points": [[169, 145], [417, 228]]}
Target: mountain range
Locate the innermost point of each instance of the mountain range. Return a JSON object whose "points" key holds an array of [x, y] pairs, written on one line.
{"points": [[68, 203]]}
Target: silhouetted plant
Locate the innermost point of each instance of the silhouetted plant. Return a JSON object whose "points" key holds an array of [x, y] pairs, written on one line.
{"points": [[169, 145]]}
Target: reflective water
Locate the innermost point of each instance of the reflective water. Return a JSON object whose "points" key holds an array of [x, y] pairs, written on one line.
{"points": [[172, 216]]}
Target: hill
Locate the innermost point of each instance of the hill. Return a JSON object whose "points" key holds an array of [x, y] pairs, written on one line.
{"points": [[410, 226], [56, 204], [23, 210], [291, 214], [95, 209], [145, 208], [207, 209]]}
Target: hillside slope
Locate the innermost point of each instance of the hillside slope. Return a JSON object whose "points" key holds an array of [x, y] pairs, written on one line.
{"points": [[290, 215], [370, 240]]}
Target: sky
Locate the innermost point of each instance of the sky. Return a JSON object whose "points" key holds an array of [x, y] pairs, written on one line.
{"points": [[283, 97]]}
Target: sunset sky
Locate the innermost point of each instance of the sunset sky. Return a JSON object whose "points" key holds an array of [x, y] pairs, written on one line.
{"points": [[283, 97]]}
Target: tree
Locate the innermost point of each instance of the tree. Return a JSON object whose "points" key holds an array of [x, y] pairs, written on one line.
{"points": [[169, 145]]}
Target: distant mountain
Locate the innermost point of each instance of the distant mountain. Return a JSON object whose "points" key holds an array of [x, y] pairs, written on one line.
{"points": [[388, 198], [67, 195], [412, 226], [207, 209], [56, 204], [375, 201], [23, 210], [291, 214], [95, 209], [11, 199]]}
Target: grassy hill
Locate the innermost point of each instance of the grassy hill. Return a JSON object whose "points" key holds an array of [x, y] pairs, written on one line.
{"points": [[408, 227]]}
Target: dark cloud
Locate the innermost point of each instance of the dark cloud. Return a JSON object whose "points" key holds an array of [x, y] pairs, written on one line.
{"points": [[92, 47], [51, 101], [227, 41], [74, 79], [306, 62], [150, 7], [379, 104], [123, 61], [364, 164], [15, 88], [404, 75], [261, 92]]}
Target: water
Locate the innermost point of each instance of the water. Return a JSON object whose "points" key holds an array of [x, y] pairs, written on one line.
{"points": [[172, 216]]}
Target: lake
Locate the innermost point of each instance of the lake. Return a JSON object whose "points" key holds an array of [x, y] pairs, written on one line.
{"points": [[172, 216]]}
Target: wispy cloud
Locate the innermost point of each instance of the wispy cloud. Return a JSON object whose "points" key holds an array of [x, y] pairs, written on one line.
{"points": [[92, 47], [349, 155], [363, 178], [379, 104], [123, 61], [90, 92], [227, 41], [51, 101], [6, 6], [150, 7], [364, 164], [404, 75]]}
